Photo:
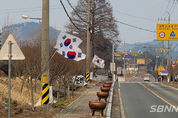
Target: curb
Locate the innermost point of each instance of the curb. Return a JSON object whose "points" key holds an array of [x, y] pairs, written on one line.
{"points": [[121, 104], [109, 106]]}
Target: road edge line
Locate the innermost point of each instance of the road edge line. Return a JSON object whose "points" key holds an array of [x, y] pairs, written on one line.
{"points": [[168, 86], [158, 96], [121, 103]]}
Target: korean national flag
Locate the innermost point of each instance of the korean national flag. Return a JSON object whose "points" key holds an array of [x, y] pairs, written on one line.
{"points": [[66, 41], [76, 55], [68, 46], [98, 61]]}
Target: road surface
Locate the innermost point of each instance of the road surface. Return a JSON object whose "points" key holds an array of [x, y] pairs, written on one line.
{"points": [[138, 99]]}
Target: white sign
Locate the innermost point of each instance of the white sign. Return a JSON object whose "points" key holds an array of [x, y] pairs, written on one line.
{"points": [[50, 95], [91, 75], [112, 67], [16, 52]]}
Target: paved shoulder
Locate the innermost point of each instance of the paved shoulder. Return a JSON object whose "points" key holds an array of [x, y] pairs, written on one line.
{"points": [[80, 108]]}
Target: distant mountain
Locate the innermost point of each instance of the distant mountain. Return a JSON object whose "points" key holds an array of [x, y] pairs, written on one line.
{"points": [[150, 46], [24, 31]]}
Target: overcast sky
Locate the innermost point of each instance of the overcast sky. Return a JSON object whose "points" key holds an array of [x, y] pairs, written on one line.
{"points": [[139, 13]]}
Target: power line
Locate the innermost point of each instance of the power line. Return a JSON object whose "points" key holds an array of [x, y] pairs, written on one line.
{"points": [[76, 11], [138, 17], [136, 27], [172, 49], [68, 15]]}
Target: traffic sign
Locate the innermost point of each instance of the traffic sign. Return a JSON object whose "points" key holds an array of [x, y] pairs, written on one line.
{"points": [[16, 52], [162, 49], [118, 53], [167, 32], [112, 67], [45, 93], [87, 76], [140, 61], [160, 68], [134, 53]]}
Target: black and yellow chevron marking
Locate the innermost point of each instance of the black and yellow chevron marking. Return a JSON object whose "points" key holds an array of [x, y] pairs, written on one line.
{"points": [[87, 76], [45, 93]]}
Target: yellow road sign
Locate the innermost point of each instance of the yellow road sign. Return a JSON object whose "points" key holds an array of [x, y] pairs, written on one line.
{"points": [[162, 49], [45, 93], [45, 78], [118, 53], [160, 68], [140, 61], [134, 53], [167, 32], [87, 76]]}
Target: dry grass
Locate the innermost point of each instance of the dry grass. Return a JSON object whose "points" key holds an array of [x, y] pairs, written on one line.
{"points": [[21, 98]]}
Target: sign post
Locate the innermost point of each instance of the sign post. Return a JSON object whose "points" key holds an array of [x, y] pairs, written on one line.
{"points": [[167, 32], [10, 51], [9, 77]]}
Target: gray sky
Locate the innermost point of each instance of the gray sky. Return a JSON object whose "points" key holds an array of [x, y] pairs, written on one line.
{"points": [[140, 13]]}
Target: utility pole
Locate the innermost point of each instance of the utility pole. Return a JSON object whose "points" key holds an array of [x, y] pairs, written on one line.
{"points": [[45, 44], [169, 51], [124, 63], [45, 39], [88, 40]]}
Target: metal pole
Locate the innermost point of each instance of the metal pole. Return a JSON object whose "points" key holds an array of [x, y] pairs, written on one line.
{"points": [[124, 63], [9, 75], [169, 51], [113, 76], [88, 40], [162, 59]]}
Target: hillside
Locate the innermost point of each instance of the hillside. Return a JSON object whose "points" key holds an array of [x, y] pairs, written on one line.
{"points": [[26, 31], [149, 46]]}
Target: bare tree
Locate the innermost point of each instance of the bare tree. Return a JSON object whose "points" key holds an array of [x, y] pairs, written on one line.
{"points": [[103, 26]]}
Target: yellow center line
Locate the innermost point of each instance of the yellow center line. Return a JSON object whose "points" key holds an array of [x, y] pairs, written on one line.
{"points": [[158, 96]]}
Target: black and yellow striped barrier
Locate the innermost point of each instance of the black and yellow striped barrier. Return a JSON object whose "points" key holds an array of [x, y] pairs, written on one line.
{"points": [[45, 93], [87, 76]]}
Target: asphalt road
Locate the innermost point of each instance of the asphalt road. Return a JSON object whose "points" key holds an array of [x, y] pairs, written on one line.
{"points": [[138, 100]]}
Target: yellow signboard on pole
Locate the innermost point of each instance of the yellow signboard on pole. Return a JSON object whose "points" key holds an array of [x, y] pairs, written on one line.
{"points": [[134, 53], [140, 61], [118, 53], [162, 49], [160, 68], [167, 32]]}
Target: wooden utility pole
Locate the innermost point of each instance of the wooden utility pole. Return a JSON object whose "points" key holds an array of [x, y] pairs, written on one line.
{"points": [[45, 39], [88, 40], [45, 52]]}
